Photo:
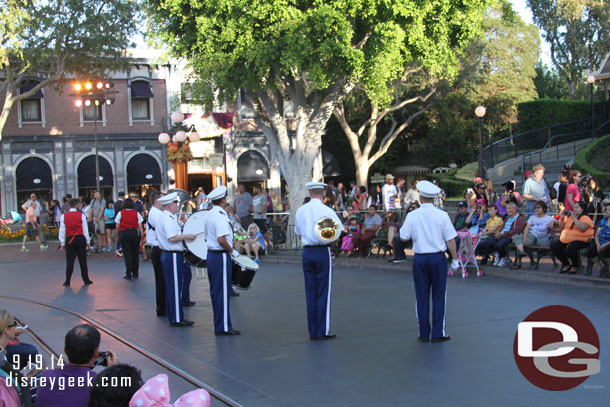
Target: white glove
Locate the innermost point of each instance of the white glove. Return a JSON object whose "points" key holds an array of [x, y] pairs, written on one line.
{"points": [[235, 253], [455, 264]]}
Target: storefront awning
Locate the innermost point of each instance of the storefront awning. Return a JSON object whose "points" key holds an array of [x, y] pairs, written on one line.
{"points": [[252, 166], [141, 89], [34, 174], [143, 169], [86, 173]]}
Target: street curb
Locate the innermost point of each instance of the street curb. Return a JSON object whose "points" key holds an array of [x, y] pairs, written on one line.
{"points": [[522, 274]]}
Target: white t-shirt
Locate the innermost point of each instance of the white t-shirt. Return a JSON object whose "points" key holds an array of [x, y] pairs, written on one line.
{"points": [[539, 226], [388, 192]]}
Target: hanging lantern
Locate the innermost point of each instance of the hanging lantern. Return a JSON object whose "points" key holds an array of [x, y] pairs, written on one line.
{"points": [[177, 117], [181, 136], [194, 137]]}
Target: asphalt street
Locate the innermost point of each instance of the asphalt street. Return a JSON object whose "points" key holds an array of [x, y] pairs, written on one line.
{"points": [[374, 360]]}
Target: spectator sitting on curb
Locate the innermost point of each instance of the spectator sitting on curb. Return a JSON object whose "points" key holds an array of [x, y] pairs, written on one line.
{"points": [[129, 380], [82, 349]]}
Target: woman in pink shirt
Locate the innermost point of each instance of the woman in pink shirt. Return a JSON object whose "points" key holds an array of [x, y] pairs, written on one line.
{"points": [[573, 190]]}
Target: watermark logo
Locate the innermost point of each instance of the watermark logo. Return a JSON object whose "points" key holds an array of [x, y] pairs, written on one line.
{"points": [[556, 348]]}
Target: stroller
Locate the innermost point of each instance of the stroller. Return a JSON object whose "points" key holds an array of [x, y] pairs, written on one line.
{"points": [[466, 252], [15, 219]]}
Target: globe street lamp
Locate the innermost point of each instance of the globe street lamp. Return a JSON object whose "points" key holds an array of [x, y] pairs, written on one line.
{"points": [[178, 151], [480, 113], [591, 81]]}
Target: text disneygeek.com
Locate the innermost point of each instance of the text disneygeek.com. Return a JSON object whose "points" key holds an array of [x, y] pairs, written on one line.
{"points": [[62, 382]]}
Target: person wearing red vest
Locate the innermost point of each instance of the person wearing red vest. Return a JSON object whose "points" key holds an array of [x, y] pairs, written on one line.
{"points": [[74, 239], [129, 223]]}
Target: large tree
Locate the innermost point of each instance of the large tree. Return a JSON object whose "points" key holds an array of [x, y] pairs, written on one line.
{"points": [[311, 52], [46, 41], [578, 32]]}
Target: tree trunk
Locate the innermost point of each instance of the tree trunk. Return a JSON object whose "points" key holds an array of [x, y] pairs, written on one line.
{"points": [[6, 110], [362, 171]]}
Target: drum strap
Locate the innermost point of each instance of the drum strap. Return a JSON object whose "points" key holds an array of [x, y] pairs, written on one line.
{"points": [[217, 251], [150, 226]]}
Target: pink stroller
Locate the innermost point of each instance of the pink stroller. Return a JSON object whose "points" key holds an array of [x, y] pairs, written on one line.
{"points": [[465, 254]]}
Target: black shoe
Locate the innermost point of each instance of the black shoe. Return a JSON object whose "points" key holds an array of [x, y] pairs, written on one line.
{"points": [[226, 333], [399, 260], [161, 314], [322, 338], [127, 277], [420, 339], [186, 322], [89, 282], [515, 266], [66, 284], [188, 304], [134, 277], [565, 269], [234, 294], [441, 339]]}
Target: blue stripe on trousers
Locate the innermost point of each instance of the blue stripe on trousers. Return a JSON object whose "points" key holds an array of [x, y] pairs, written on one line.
{"points": [[219, 276], [173, 266], [317, 269], [430, 274]]}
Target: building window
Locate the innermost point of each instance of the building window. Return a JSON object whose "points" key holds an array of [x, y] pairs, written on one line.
{"points": [[140, 109], [141, 96], [89, 113], [30, 110]]}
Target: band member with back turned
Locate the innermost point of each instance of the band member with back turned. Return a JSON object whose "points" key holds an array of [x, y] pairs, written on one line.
{"points": [[219, 235], [74, 238], [317, 261], [174, 267], [432, 233], [156, 212]]}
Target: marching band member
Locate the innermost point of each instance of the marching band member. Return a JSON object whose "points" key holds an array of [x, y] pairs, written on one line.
{"points": [[317, 261], [219, 235], [175, 269], [432, 233], [73, 228], [155, 213]]}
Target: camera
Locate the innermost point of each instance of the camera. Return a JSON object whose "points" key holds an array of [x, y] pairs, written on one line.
{"points": [[567, 213], [102, 359]]}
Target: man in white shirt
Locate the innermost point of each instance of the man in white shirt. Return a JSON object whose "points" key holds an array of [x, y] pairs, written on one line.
{"points": [[317, 261], [155, 254], [432, 233], [389, 193]]}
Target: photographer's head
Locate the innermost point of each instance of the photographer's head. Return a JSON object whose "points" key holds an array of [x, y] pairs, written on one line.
{"points": [[82, 344], [129, 380]]}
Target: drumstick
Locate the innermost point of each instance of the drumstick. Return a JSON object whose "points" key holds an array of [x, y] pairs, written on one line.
{"points": [[200, 233]]}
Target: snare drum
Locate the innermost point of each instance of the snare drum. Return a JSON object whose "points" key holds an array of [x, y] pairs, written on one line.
{"points": [[244, 269], [196, 250]]}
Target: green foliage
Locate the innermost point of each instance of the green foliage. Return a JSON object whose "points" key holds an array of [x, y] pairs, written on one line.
{"points": [[579, 34], [583, 160], [260, 45], [548, 83], [546, 112], [453, 187]]}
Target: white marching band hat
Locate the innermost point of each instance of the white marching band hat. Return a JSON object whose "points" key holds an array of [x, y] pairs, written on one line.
{"points": [[169, 198], [315, 185], [217, 193], [428, 189]]}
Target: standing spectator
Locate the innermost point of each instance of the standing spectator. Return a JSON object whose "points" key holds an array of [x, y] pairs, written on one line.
{"points": [[577, 229], [202, 200], [562, 184], [389, 193], [269, 201], [81, 346], [27, 204], [329, 197], [277, 202], [412, 195], [479, 192], [55, 212], [32, 227], [243, 206], [400, 202], [137, 203], [360, 200], [98, 205], [573, 190], [65, 207], [109, 216], [535, 189], [340, 202], [259, 204], [353, 189], [491, 195], [370, 229], [509, 196], [593, 197], [439, 199], [374, 197], [129, 223]]}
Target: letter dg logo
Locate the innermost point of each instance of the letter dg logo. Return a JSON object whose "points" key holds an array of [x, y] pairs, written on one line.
{"points": [[556, 348]]}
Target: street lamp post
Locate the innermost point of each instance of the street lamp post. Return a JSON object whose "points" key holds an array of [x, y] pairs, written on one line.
{"points": [[591, 81], [480, 113], [179, 152], [89, 94]]}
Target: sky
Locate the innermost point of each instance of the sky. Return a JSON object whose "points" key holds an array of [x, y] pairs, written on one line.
{"points": [[520, 7]]}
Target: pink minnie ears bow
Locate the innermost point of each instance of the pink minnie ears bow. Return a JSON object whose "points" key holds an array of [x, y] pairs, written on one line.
{"points": [[155, 393]]}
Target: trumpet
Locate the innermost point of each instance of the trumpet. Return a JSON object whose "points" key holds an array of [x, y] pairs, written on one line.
{"points": [[326, 230]]}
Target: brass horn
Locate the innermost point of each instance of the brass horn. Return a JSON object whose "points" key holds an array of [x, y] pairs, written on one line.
{"points": [[326, 230]]}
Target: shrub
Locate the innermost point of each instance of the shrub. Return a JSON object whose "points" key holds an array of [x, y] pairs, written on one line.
{"points": [[582, 158], [453, 187]]}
